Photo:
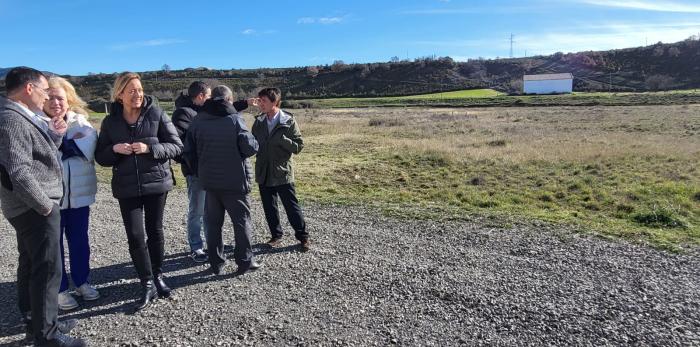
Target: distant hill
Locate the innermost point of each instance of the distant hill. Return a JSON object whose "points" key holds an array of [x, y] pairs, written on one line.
{"points": [[654, 67]]}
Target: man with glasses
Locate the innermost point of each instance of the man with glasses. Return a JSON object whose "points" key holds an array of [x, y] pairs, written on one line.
{"points": [[30, 191]]}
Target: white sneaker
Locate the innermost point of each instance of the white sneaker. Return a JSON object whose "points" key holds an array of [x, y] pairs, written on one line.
{"points": [[66, 301], [88, 292]]}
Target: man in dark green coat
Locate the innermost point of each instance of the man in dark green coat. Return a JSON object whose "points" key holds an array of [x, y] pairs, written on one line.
{"points": [[278, 136]]}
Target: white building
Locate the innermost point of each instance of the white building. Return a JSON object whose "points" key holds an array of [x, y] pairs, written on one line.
{"points": [[548, 83]]}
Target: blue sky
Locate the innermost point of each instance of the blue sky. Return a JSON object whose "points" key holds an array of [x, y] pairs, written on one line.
{"points": [[81, 36]]}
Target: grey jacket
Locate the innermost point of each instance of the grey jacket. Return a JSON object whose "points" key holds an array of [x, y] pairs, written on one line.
{"points": [[30, 170]]}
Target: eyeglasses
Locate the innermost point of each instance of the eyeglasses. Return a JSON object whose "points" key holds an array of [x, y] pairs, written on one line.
{"points": [[45, 91]]}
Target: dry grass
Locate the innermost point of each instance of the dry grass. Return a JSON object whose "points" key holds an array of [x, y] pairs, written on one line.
{"points": [[613, 170]]}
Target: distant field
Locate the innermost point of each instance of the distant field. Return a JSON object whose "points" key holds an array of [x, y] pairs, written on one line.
{"points": [[489, 97]]}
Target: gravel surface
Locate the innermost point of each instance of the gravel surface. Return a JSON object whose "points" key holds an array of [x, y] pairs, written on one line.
{"points": [[372, 280]]}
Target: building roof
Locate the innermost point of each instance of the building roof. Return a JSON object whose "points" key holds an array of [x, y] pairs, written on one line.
{"points": [[549, 77]]}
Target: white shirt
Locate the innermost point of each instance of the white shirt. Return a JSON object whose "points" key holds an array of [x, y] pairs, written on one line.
{"points": [[271, 123]]}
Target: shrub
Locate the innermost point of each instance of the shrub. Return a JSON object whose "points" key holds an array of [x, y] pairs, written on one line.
{"points": [[98, 105], [658, 217], [385, 122]]}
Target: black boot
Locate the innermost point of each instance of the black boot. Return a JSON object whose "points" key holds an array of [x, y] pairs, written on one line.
{"points": [[163, 289], [149, 293]]}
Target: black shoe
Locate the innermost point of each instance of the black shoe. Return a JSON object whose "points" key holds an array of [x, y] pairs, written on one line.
{"points": [[275, 241], [252, 266], [62, 340], [304, 245], [150, 293], [218, 269], [63, 326], [228, 248], [161, 287]]}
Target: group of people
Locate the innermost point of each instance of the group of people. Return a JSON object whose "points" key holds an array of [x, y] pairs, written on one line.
{"points": [[48, 182]]}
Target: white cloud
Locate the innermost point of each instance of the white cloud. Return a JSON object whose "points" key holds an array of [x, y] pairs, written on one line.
{"points": [[147, 43], [657, 5], [320, 20], [248, 32], [330, 20], [306, 20]]}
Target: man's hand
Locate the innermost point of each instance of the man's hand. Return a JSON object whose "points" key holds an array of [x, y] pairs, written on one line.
{"points": [[122, 148], [252, 102], [139, 148]]}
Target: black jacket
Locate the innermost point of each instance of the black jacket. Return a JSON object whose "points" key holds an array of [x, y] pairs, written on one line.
{"points": [[183, 116], [143, 174], [217, 147]]}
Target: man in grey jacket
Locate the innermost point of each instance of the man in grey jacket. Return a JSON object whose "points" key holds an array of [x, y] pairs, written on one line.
{"points": [[30, 194], [217, 147]]}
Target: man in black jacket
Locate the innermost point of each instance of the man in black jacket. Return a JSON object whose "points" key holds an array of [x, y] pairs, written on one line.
{"points": [[187, 108], [217, 147]]}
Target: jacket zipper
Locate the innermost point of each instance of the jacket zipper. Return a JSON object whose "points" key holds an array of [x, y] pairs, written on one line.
{"points": [[69, 177], [136, 160]]}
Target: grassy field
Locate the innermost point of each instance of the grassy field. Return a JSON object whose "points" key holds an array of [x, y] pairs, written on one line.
{"points": [[629, 172], [489, 97]]}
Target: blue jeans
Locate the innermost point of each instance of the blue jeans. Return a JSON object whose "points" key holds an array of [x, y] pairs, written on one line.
{"points": [[74, 225], [195, 214]]}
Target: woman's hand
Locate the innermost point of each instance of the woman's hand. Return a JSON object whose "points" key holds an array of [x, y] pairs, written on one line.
{"points": [[139, 148], [122, 148]]}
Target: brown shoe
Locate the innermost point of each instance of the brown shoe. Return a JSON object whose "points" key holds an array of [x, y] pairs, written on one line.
{"points": [[304, 245], [274, 242]]}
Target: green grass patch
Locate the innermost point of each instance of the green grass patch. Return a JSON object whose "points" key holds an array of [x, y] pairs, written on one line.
{"points": [[430, 185], [489, 97]]}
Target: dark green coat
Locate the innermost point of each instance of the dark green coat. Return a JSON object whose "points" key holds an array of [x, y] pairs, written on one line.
{"points": [[273, 164]]}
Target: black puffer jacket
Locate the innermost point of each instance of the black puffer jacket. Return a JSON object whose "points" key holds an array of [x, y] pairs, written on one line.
{"points": [[217, 147], [184, 113], [139, 174], [183, 116]]}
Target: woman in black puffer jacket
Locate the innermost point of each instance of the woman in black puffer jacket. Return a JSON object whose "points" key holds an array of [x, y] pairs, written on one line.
{"points": [[137, 139]]}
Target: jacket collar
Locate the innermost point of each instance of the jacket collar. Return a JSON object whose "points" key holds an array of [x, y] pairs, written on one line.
{"points": [[219, 107], [14, 106], [148, 102], [284, 118]]}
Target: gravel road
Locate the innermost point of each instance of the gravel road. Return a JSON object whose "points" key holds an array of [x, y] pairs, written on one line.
{"points": [[372, 280]]}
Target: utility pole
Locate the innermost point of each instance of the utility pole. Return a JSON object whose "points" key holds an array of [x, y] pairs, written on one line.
{"points": [[610, 83], [511, 44]]}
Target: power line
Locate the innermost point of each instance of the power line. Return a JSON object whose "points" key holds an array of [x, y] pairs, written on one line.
{"points": [[511, 44]]}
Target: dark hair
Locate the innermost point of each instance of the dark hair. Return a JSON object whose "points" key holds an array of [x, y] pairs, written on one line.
{"points": [[19, 77], [273, 94], [196, 88]]}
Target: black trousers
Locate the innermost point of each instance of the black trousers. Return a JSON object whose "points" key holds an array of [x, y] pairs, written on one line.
{"points": [[288, 196], [238, 208], [39, 269], [146, 242]]}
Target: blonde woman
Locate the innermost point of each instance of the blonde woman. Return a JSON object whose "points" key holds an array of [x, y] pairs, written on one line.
{"points": [[137, 139], [79, 186]]}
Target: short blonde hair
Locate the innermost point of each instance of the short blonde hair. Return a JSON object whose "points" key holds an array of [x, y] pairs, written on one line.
{"points": [[75, 103], [121, 82]]}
